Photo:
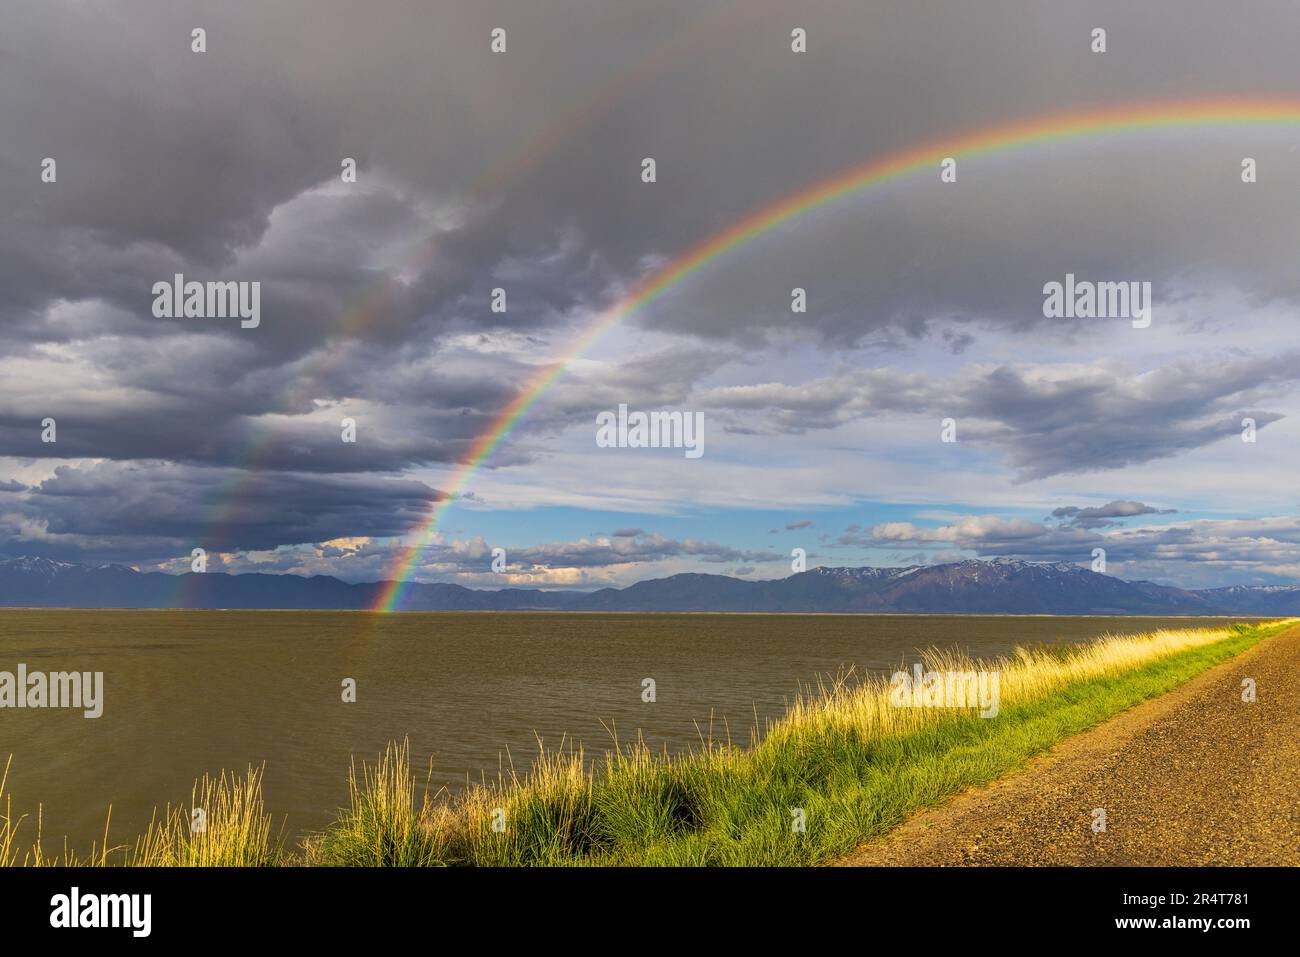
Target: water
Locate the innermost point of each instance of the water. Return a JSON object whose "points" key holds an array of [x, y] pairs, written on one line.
{"points": [[194, 691]]}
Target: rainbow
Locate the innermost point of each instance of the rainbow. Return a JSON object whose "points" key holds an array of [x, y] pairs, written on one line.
{"points": [[925, 157], [536, 146]]}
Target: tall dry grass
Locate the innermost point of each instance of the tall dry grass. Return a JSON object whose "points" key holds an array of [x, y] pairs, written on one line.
{"points": [[8, 824], [636, 806], [844, 756], [383, 825], [1024, 676], [14, 853], [236, 831]]}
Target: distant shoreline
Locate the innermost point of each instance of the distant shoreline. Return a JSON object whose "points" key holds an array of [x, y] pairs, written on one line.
{"points": [[968, 587], [567, 611]]}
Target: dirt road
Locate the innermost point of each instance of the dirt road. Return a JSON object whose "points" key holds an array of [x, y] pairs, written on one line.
{"points": [[1192, 778]]}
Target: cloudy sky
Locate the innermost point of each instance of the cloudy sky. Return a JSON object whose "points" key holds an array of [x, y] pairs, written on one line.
{"points": [[522, 170]]}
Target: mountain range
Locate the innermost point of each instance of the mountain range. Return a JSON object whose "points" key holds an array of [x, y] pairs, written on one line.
{"points": [[1000, 586]]}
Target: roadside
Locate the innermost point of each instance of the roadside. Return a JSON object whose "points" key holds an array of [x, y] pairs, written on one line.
{"points": [[1194, 777]]}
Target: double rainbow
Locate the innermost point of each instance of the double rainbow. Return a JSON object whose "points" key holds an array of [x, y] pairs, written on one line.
{"points": [[537, 145]]}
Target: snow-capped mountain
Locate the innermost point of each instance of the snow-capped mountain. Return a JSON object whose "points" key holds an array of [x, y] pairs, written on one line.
{"points": [[966, 587]]}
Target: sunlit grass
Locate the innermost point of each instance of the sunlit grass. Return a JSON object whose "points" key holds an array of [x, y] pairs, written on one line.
{"points": [[844, 760], [236, 831], [15, 853], [383, 825], [854, 765]]}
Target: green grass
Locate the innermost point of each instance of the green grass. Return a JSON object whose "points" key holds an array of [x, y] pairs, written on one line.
{"points": [[855, 771], [855, 765], [236, 830], [383, 826]]}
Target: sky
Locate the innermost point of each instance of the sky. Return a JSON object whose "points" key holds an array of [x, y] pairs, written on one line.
{"points": [[522, 170]]}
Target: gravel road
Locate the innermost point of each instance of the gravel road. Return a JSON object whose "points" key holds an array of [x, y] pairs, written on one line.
{"points": [[1194, 777]]}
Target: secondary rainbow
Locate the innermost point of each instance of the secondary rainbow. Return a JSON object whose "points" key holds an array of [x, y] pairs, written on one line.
{"points": [[373, 301], [1146, 117]]}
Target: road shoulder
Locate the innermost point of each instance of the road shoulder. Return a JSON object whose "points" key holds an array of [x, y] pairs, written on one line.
{"points": [[1194, 777]]}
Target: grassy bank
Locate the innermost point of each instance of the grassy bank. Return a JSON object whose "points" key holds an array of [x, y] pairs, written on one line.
{"points": [[846, 762]]}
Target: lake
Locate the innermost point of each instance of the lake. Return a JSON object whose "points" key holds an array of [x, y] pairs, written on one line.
{"points": [[192, 691]]}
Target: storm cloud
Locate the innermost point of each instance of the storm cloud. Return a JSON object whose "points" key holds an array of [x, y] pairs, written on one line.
{"points": [[499, 212]]}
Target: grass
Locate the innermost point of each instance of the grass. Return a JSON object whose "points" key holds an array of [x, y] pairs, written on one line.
{"points": [[12, 854], [383, 826], [236, 832], [844, 760]]}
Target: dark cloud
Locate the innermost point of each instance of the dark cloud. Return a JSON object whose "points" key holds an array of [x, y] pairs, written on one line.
{"points": [[521, 171], [156, 511], [1102, 516], [1045, 420]]}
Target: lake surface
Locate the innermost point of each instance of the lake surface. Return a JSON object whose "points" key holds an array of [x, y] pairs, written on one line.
{"points": [[194, 691]]}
